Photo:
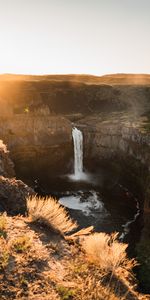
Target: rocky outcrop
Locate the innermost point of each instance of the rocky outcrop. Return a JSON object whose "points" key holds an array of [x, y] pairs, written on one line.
{"points": [[6, 164], [117, 140], [105, 139], [38, 143], [13, 194]]}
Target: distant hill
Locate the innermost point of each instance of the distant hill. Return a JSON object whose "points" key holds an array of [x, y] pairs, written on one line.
{"points": [[112, 79]]}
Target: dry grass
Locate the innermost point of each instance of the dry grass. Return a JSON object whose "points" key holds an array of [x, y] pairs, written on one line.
{"points": [[92, 289], [49, 212], [3, 224], [105, 251], [40, 273], [21, 244], [4, 253]]}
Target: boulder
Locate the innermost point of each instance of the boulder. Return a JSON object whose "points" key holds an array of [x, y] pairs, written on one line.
{"points": [[13, 194]]}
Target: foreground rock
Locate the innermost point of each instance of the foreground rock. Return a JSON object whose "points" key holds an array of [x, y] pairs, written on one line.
{"points": [[13, 192], [13, 195], [6, 164]]}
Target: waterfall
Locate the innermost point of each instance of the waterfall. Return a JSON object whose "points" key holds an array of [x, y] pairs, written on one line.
{"points": [[78, 153], [78, 156]]}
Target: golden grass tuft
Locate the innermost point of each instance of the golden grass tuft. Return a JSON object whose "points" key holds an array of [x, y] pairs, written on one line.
{"points": [[3, 225], [105, 251], [21, 244], [92, 289], [3, 222], [4, 253], [49, 212]]}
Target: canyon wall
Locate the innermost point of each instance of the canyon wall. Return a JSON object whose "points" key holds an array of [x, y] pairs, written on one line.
{"points": [[13, 193], [37, 114], [122, 142], [37, 143]]}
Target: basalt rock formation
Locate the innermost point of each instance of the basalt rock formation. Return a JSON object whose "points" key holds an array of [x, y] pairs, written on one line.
{"points": [[117, 139], [113, 111], [38, 142], [6, 164], [37, 113], [13, 192]]}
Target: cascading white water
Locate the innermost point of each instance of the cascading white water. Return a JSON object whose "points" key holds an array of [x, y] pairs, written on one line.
{"points": [[78, 153]]}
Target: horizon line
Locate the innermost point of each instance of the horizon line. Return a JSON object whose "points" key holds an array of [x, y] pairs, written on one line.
{"points": [[71, 74]]}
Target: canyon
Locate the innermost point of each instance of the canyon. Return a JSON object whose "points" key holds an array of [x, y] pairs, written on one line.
{"points": [[37, 114]]}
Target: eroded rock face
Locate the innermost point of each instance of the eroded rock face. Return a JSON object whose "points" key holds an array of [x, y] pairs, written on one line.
{"points": [[6, 164], [106, 139], [37, 142], [13, 194], [119, 140]]}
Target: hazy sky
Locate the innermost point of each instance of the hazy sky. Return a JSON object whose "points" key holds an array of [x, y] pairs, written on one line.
{"points": [[74, 36]]}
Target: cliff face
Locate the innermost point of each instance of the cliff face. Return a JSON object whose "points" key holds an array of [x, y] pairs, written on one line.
{"points": [[122, 142], [13, 192], [6, 164], [37, 142], [106, 138], [36, 114]]}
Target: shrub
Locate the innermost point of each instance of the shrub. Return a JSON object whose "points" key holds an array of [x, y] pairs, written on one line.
{"points": [[49, 212], [21, 244], [3, 225], [65, 293], [92, 289], [105, 251]]}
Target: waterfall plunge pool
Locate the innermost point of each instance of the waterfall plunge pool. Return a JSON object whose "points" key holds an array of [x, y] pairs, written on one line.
{"points": [[96, 199], [112, 209]]}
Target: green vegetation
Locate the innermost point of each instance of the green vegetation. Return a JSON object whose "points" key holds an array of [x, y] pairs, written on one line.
{"points": [[146, 123], [21, 244], [65, 293], [3, 225]]}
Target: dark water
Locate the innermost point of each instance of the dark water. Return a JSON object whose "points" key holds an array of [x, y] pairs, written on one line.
{"points": [[108, 207]]}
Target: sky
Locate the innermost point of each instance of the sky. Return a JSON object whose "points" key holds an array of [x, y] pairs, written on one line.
{"points": [[74, 36]]}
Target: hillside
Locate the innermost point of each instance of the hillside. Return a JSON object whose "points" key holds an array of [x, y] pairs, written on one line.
{"points": [[124, 79], [38, 264]]}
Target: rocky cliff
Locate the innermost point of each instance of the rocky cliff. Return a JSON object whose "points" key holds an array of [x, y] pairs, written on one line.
{"points": [[73, 94], [38, 143], [36, 118], [117, 139], [6, 164], [37, 113], [13, 192]]}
